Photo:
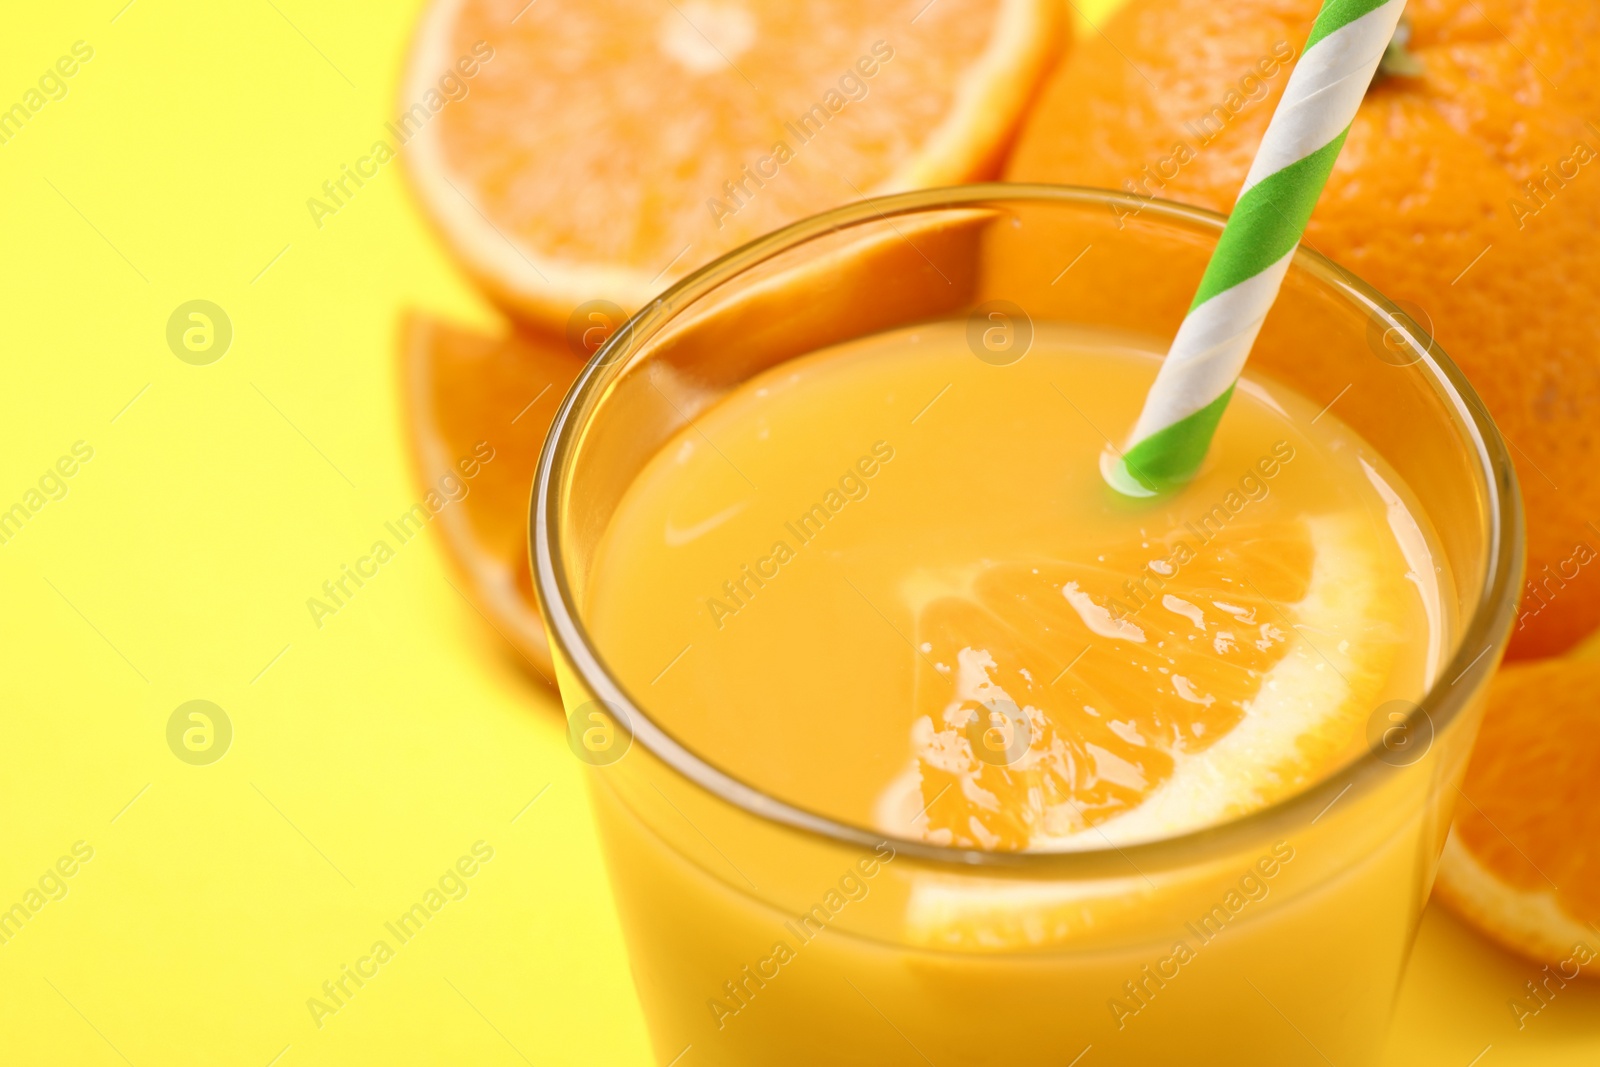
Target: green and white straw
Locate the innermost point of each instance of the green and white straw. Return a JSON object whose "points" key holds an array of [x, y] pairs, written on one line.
{"points": [[1240, 283]]}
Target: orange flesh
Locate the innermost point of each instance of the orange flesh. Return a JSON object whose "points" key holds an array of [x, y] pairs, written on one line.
{"points": [[600, 134], [1109, 723], [1529, 813]]}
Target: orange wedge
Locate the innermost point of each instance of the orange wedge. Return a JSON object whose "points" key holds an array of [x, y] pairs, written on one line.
{"points": [[1522, 862], [484, 404], [1065, 707], [599, 150]]}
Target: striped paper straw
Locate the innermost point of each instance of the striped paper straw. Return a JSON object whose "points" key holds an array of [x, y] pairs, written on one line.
{"points": [[1240, 283]]}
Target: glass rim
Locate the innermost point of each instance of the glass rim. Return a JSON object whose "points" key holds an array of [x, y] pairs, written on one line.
{"points": [[1488, 626]]}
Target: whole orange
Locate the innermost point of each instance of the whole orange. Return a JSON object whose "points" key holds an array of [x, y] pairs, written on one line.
{"points": [[1468, 190]]}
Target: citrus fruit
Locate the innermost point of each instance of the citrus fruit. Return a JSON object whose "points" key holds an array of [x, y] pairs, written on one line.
{"points": [[1065, 707], [483, 404], [1521, 862], [601, 150], [1457, 194]]}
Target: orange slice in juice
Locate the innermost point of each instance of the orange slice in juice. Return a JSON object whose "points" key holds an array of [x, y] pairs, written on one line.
{"points": [[1157, 688]]}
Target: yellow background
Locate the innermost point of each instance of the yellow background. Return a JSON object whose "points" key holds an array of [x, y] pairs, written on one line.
{"points": [[368, 754]]}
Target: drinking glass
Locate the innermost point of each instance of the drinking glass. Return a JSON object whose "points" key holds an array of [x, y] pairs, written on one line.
{"points": [[764, 932]]}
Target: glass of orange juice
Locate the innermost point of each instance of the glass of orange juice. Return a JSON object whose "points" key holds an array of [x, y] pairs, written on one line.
{"points": [[912, 742]]}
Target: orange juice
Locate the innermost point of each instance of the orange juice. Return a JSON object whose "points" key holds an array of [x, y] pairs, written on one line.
{"points": [[901, 536], [886, 583]]}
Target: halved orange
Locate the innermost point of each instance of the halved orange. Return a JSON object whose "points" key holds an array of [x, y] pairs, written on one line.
{"points": [[1068, 705], [601, 149], [1522, 862], [470, 396]]}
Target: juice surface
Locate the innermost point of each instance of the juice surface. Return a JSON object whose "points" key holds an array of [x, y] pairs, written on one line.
{"points": [[887, 582]]}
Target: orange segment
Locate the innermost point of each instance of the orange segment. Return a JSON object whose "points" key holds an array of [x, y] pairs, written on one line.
{"points": [[467, 393], [1523, 859], [1159, 689], [605, 148]]}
